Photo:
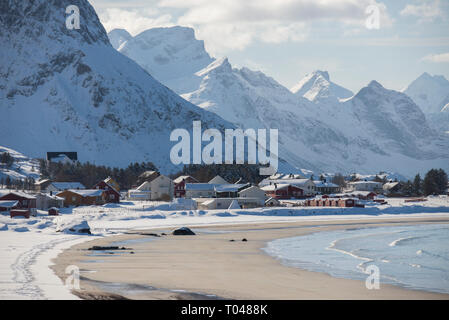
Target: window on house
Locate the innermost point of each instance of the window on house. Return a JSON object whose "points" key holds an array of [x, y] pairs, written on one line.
{"points": [[111, 196], [73, 199]]}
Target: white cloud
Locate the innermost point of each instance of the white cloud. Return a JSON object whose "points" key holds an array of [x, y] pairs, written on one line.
{"points": [[437, 58], [134, 20], [426, 11], [234, 24]]}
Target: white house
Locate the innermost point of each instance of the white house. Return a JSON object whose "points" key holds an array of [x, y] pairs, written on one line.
{"points": [[200, 190], [365, 186], [307, 185], [162, 188], [252, 192]]}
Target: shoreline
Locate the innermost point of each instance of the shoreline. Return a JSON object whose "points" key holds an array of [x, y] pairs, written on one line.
{"points": [[209, 265]]}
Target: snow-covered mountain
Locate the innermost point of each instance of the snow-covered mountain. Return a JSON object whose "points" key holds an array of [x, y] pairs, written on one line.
{"points": [[171, 55], [322, 126], [318, 88], [431, 94], [70, 90]]}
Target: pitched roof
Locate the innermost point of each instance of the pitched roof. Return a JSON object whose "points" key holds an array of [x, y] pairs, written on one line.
{"points": [[180, 178], [146, 186], [229, 187], [200, 186], [295, 182], [276, 186], [8, 203], [322, 184], [88, 192], [17, 193], [218, 180]]}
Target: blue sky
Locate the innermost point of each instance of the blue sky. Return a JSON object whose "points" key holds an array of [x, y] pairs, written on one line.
{"points": [[287, 39]]}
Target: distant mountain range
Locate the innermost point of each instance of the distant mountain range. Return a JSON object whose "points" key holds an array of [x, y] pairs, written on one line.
{"points": [[322, 126], [71, 90]]}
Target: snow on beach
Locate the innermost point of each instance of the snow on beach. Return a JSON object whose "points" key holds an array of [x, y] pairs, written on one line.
{"points": [[28, 245]]}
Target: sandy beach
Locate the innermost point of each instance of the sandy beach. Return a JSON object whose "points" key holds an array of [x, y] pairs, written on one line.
{"points": [[209, 265]]}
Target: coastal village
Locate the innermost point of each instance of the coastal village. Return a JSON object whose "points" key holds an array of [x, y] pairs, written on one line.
{"points": [[279, 190]]}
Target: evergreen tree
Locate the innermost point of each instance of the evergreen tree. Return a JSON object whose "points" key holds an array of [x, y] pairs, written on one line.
{"points": [[417, 185], [435, 182], [339, 180]]}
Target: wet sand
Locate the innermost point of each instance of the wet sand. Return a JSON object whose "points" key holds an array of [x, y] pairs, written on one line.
{"points": [[211, 266]]}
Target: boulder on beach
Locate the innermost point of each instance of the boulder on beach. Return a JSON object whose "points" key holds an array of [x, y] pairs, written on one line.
{"points": [[77, 228], [184, 231]]}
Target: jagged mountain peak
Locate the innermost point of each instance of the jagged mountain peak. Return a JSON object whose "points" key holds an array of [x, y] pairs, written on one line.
{"points": [[317, 87], [221, 65], [118, 36], [430, 93], [375, 85], [167, 53]]}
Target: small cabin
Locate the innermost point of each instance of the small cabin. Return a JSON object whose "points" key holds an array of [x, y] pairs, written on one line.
{"points": [[20, 213], [53, 211]]}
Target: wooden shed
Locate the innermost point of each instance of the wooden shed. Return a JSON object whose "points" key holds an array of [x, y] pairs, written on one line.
{"points": [[53, 211], [20, 213]]}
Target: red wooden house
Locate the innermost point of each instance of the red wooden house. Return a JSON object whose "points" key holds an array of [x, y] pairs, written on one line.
{"points": [[283, 191], [346, 202], [24, 200], [110, 195], [180, 185]]}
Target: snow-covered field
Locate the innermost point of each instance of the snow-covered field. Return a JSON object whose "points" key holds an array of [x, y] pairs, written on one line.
{"points": [[28, 245]]}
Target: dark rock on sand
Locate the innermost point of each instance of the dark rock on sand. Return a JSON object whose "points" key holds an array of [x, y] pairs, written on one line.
{"points": [[184, 231], [100, 248], [244, 239]]}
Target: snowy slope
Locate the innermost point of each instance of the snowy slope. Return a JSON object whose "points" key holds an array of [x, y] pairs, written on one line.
{"points": [[22, 167], [70, 90], [318, 88]]}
